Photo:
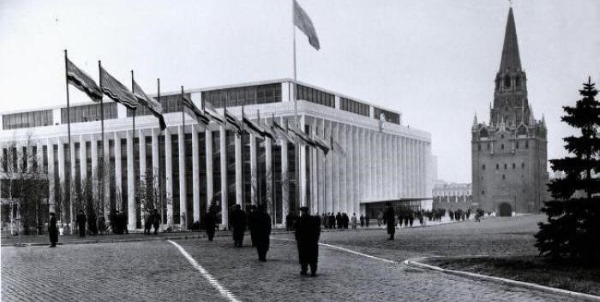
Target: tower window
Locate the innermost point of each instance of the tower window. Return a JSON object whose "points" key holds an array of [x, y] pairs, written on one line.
{"points": [[522, 165], [503, 177], [482, 192], [507, 82], [502, 146], [518, 83], [502, 136], [526, 145], [514, 166], [517, 145], [504, 166], [497, 166], [482, 167]]}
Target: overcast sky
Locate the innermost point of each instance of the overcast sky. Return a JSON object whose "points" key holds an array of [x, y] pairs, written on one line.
{"points": [[433, 60]]}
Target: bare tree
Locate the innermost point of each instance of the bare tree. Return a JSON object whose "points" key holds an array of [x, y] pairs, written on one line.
{"points": [[26, 184]]}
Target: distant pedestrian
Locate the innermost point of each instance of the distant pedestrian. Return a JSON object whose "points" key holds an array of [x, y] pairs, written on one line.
{"points": [[362, 221], [367, 220], [92, 226], [354, 221], [260, 224], [81, 223], [148, 220], [238, 221], [210, 222], [101, 224], [308, 231], [379, 218], [156, 221], [251, 218], [53, 230], [389, 217]]}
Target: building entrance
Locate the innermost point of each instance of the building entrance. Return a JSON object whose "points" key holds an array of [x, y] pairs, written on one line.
{"points": [[504, 209]]}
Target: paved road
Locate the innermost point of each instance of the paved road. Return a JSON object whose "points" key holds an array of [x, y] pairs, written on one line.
{"points": [[156, 270]]}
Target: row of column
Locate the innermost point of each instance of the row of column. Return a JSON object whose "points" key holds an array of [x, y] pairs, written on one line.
{"points": [[374, 165]]}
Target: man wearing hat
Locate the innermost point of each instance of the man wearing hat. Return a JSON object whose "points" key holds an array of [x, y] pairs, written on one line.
{"points": [[308, 231], [52, 230], [260, 226], [238, 221], [389, 219]]}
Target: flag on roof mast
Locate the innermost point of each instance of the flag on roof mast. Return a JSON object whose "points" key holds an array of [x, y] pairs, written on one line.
{"points": [[83, 81], [117, 91], [303, 22], [194, 112], [154, 106]]}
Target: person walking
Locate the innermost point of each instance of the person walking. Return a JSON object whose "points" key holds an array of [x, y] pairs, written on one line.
{"points": [[53, 230], [308, 231], [251, 217], [362, 221], [81, 223], [156, 221], [238, 221], [210, 222], [367, 220], [260, 224], [353, 221], [389, 218]]}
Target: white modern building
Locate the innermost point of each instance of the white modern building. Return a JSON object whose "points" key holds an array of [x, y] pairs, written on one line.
{"points": [[380, 160]]}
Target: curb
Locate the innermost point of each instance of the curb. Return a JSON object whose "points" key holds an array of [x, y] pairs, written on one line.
{"points": [[414, 263]]}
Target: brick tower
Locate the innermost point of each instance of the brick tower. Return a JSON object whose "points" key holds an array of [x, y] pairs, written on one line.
{"points": [[509, 155]]}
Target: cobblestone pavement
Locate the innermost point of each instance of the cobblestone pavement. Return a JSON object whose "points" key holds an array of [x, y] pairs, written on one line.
{"points": [[155, 270]]}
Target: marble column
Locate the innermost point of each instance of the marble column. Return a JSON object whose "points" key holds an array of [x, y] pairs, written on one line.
{"points": [[285, 180], [51, 178], [131, 200], [239, 177], [195, 174], [118, 174], [106, 174], [224, 197], [302, 175], [328, 174], [253, 171], [269, 178], [82, 161], [335, 171], [169, 177], [94, 157], [156, 167], [208, 147], [183, 223]]}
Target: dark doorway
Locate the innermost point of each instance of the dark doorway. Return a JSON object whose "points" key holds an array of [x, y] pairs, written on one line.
{"points": [[505, 209]]}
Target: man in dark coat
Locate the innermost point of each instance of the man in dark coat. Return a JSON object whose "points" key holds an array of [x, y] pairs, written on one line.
{"points": [[251, 217], [308, 231], [81, 223], [260, 225], [210, 222], [389, 219], [238, 221], [155, 221], [53, 230]]}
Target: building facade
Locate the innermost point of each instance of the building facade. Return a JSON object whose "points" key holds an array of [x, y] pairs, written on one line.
{"points": [[509, 154], [452, 196], [187, 165]]}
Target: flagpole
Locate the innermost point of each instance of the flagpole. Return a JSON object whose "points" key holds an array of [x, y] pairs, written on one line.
{"points": [[295, 70], [159, 178], [182, 113], [104, 161], [133, 135], [69, 139]]}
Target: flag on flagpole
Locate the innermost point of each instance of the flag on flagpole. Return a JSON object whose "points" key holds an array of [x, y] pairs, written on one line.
{"points": [[253, 127], [236, 125], [302, 137], [117, 91], [280, 132], [213, 115], [337, 148], [83, 81], [194, 112], [154, 106], [321, 144], [303, 22]]}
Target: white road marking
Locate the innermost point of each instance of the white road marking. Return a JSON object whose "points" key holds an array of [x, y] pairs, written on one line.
{"points": [[348, 251], [222, 290]]}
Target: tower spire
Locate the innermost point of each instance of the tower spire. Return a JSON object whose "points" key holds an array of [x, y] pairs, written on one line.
{"points": [[510, 51]]}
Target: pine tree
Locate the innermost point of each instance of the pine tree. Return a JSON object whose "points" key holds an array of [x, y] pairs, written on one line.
{"points": [[573, 228]]}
